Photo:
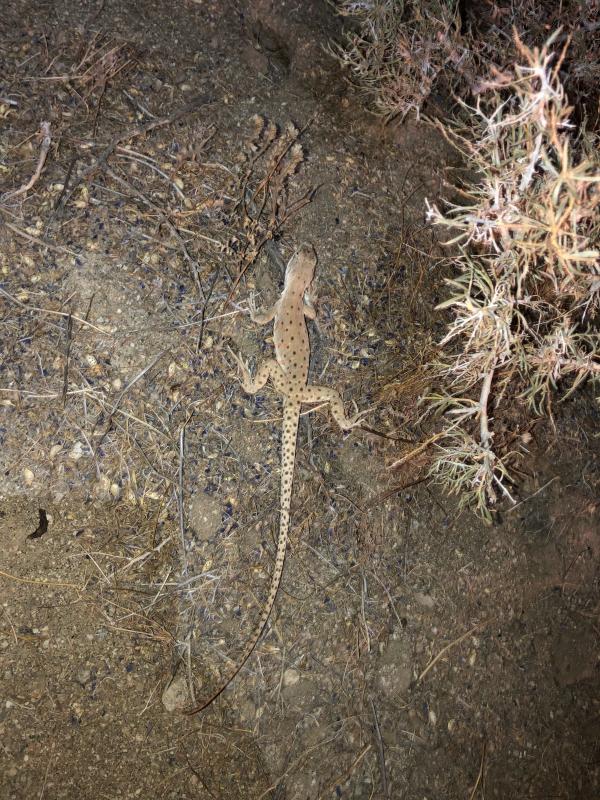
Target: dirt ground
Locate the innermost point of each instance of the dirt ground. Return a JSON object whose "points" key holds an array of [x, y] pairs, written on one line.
{"points": [[413, 652]]}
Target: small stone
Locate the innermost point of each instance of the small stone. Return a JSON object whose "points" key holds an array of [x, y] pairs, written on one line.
{"points": [[28, 476], [394, 680], [424, 600], [102, 486], [395, 672], [83, 676], [291, 677], [175, 697], [76, 451]]}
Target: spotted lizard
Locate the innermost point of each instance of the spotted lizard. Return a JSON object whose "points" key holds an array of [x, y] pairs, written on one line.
{"points": [[288, 372]]}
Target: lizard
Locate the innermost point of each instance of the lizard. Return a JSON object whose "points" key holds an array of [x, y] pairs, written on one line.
{"points": [[288, 372]]}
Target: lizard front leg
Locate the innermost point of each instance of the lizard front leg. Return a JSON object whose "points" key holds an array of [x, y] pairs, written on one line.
{"points": [[260, 317], [325, 394]]}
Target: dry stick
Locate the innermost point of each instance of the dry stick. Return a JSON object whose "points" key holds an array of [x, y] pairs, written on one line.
{"points": [[255, 213], [483, 415], [130, 133], [152, 624], [452, 644], [181, 510], [199, 778], [52, 312], [417, 451], [89, 394], [268, 236], [344, 777], [200, 336], [531, 496], [48, 765], [46, 141], [146, 162], [574, 365], [384, 435], [49, 395], [36, 240], [180, 499], [65, 184], [117, 403], [69, 337], [40, 582], [12, 627], [480, 775], [381, 751], [484, 430], [109, 75], [137, 107], [394, 490], [165, 219], [363, 591]]}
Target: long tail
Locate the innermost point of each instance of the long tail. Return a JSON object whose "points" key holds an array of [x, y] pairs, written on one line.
{"points": [[291, 417]]}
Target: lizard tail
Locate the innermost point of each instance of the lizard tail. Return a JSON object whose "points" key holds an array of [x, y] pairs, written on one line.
{"points": [[291, 416]]}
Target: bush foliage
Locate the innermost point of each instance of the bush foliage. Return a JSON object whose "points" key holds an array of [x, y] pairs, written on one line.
{"points": [[525, 297]]}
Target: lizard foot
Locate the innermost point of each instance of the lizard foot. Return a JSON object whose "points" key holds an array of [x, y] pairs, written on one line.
{"points": [[243, 369], [352, 422], [252, 308]]}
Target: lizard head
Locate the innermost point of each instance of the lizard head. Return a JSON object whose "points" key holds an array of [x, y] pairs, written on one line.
{"points": [[301, 268]]}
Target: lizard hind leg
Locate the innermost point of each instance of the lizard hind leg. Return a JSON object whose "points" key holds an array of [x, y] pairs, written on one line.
{"points": [[325, 394], [268, 369]]}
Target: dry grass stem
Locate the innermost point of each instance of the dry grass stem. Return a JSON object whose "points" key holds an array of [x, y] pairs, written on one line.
{"points": [[449, 646], [46, 140]]}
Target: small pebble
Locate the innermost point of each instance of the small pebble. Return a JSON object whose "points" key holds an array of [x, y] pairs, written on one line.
{"points": [[76, 451], [83, 676], [175, 697], [291, 677]]}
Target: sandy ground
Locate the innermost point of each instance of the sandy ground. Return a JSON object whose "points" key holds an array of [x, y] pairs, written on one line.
{"points": [[413, 652]]}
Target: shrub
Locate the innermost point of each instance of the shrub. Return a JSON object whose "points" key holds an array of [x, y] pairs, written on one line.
{"points": [[527, 293], [397, 49]]}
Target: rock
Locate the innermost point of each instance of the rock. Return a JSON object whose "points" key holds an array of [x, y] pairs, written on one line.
{"points": [[395, 671], [83, 676], [394, 679], [425, 600], [176, 696], [291, 677]]}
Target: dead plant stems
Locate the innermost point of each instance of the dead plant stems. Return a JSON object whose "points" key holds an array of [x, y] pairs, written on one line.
{"points": [[46, 139], [449, 646]]}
